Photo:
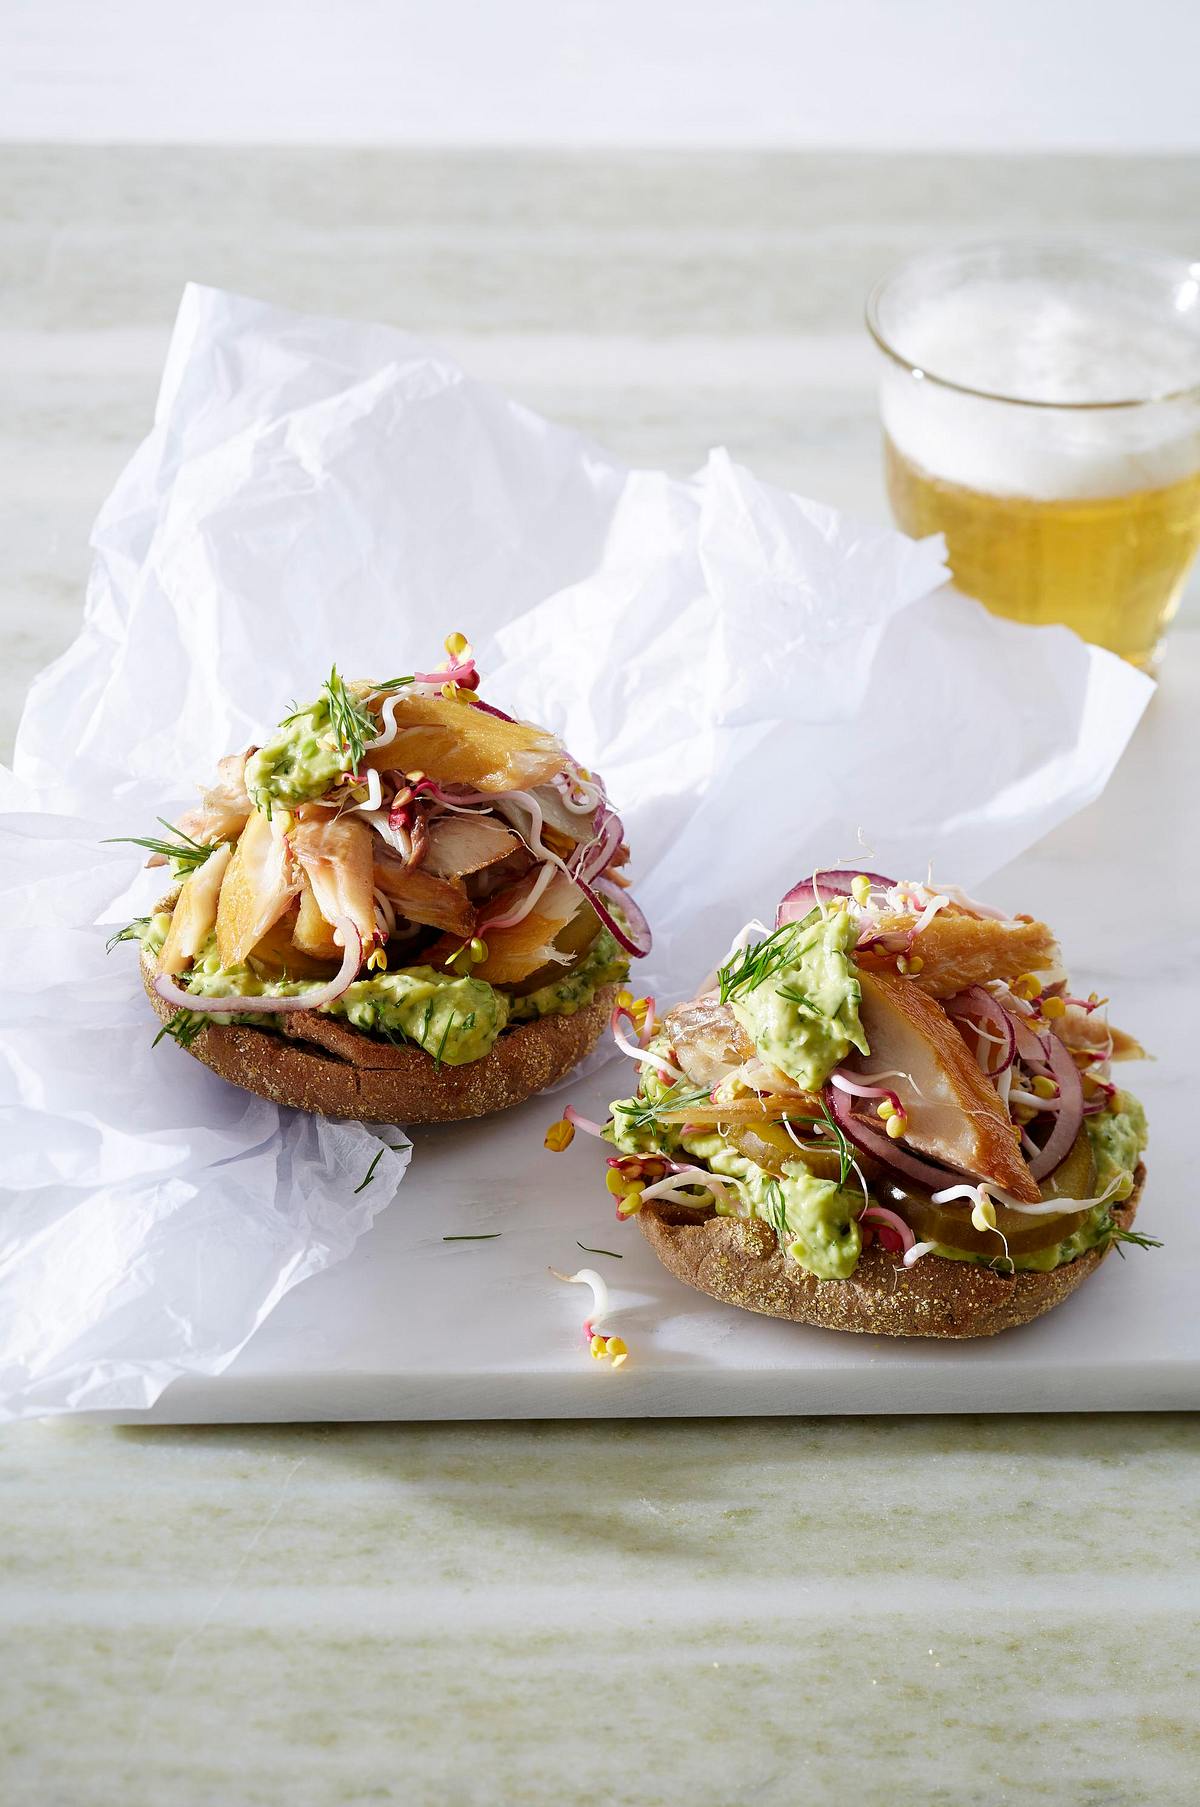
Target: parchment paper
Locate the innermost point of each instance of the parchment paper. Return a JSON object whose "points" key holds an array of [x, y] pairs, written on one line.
{"points": [[765, 684]]}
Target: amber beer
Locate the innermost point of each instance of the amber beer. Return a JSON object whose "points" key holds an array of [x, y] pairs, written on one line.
{"points": [[1111, 567], [1042, 411]]}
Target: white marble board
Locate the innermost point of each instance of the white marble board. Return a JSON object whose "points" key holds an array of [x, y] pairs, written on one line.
{"points": [[412, 1327]]}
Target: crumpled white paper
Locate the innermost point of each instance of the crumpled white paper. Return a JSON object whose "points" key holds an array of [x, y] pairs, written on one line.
{"points": [[757, 677]]}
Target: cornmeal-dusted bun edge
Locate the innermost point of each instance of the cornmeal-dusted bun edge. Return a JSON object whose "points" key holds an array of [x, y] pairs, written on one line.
{"points": [[352, 1075], [738, 1260]]}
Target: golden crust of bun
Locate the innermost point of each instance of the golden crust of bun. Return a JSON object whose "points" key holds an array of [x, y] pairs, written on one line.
{"points": [[318, 1063], [739, 1261]]}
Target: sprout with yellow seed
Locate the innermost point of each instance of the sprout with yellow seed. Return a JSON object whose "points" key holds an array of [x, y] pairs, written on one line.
{"points": [[860, 889], [560, 1135], [457, 645], [1053, 1007]]}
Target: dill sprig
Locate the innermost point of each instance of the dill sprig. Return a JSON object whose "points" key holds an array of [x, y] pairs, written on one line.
{"points": [[644, 1113], [588, 1251], [186, 853], [1139, 1241], [183, 1028], [775, 1211], [131, 932], [754, 965], [828, 1121], [352, 722]]}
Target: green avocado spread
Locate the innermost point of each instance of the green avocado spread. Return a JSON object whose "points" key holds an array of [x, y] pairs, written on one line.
{"points": [[802, 1014], [455, 1020], [603, 963], [815, 1219], [303, 761]]}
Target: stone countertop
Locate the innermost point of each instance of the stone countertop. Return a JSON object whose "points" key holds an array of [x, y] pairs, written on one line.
{"points": [[950, 1611]]}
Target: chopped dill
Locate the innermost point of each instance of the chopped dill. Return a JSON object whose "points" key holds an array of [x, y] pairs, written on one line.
{"points": [[370, 1173], [755, 965], [183, 1028], [490, 1236], [186, 853], [441, 1047], [588, 1251], [131, 932], [798, 998]]}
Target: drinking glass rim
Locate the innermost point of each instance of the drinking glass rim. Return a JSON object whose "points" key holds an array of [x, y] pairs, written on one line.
{"points": [[1053, 247]]}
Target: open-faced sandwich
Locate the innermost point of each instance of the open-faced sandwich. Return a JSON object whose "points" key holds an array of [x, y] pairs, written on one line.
{"points": [[888, 1114], [405, 906]]}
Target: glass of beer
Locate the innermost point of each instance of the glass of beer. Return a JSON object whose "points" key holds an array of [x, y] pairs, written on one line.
{"points": [[1041, 408]]}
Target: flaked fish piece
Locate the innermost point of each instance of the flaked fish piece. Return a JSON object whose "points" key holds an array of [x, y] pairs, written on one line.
{"points": [[260, 882], [336, 855], [1093, 1034], [195, 914], [954, 1114], [455, 743], [514, 953], [278, 957], [224, 808], [312, 934], [459, 846], [708, 1040], [959, 950], [421, 896]]}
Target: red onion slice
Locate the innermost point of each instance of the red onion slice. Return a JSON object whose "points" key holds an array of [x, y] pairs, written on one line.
{"points": [[1069, 1119], [241, 1004], [884, 1221], [636, 939], [824, 885], [976, 1004], [876, 1142], [490, 709]]}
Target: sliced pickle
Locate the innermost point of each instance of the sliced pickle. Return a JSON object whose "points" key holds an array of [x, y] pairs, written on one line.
{"points": [[951, 1223], [769, 1146]]}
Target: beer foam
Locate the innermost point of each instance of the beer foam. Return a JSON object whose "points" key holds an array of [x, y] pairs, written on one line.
{"points": [[1022, 338]]}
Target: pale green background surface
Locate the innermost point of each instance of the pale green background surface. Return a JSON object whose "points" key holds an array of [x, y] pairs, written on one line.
{"points": [[951, 1611]]}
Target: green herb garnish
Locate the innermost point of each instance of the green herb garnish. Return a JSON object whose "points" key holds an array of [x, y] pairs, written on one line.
{"points": [[775, 1211], [183, 1028], [352, 722], [186, 853], [798, 998], [643, 1113], [587, 1251], [369, 1175], [441, 1047], [489, 1237], [131, 932], [1120, 1236], [755, 965]]}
